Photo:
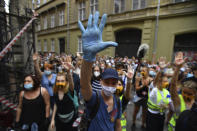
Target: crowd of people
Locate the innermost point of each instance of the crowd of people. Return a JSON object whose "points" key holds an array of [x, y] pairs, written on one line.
{"points": [[51, 97]]}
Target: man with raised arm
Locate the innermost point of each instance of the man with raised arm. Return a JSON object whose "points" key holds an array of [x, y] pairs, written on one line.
{"points": [[108, 115]]}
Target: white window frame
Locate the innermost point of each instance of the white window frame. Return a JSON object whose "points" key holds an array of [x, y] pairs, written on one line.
{"points": [[45, 46], [45, 22], [52, 45], [121, 5], [61, 18], [80, 47], [39, 46], [93, 6], [139, 4], [81, 10], [52, 21]]}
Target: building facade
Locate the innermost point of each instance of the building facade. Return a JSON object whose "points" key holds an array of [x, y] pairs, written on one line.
{"points": [[130, 23]]}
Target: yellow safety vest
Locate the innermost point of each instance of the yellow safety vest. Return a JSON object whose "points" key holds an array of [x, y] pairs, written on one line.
{"points": [[165, 99], [123, 120], [172, 123]]}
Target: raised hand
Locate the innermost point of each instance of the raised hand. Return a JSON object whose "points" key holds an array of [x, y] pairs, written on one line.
{"points": [[130, 72], [67, 63], [179, 61], [92, 37], [35, 57]]}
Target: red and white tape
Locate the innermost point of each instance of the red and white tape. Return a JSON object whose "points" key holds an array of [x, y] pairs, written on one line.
{"points": [[9, 46], [6, 102]]}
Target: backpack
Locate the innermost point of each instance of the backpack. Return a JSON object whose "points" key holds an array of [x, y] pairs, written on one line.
{"points": [[86, 120], [187, 121], [75, 100]]}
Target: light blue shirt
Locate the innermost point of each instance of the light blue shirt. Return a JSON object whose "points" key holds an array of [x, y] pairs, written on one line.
{"points": [[48, 84]]}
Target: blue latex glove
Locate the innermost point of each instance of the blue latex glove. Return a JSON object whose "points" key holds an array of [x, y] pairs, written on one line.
{"points": [[92, 37]]}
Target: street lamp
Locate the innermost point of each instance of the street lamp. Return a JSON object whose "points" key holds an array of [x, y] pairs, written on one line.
{"points": [[156, 32]]}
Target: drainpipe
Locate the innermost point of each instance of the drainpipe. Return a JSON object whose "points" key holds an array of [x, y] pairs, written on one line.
{"points": [[156, 33], [68, 33]]}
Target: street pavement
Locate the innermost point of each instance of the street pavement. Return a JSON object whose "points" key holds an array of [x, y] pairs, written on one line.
{"points": [[129, 110]]}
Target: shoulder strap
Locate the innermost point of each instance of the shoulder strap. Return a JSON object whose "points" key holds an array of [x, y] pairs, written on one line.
{"points": [[118, 103], [96, 107], [74, 98], [94, 112]]}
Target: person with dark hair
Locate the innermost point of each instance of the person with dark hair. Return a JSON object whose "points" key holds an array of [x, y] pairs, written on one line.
{"points": [[141, 85], [34, 106], [194, 76], [96, 78], [125, 95], [47, 77], [108, 113]]}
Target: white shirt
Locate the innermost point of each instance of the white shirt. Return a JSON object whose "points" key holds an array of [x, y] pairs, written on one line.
{"points": [[153, 96]]}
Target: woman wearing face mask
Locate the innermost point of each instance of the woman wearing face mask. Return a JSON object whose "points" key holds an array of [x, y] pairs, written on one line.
{"points": [[66, 102], [34, 105], [125, 95], [47, 77], [152, 72], [96, 78], [186, 99], [142, 84], [158, 100]]}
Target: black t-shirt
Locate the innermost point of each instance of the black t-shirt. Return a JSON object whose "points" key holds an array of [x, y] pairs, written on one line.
{"points": [[64, 106], [142, 92]]}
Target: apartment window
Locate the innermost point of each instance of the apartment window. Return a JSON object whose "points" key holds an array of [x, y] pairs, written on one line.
{"points": [[38, 3], [38, 26], [61, 17], [45, 45], [93, 6], [80, 45], [52, 45], [45, 22], [52, 21], [139, 4], [81, 10], [180, 1], [39, 46], [33, 4], [119, 6]]}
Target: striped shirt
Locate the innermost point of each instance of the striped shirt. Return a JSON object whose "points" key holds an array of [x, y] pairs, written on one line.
{"points": [[96, 86]]}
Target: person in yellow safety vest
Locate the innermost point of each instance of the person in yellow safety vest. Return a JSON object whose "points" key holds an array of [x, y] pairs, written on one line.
{"points": [[125, 95], [183, 101], [158, 100]]}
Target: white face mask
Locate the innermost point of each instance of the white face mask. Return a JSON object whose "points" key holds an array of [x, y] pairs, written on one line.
{"points": [[108, 91], [96, 73], [77, 71], [102, 67]]}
